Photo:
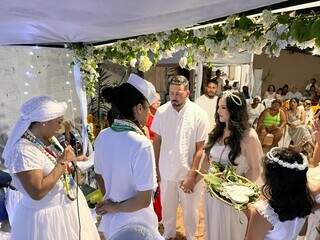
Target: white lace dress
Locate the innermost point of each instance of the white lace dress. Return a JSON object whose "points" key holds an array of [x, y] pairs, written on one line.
{"points": [[221, 220], [287, 230], [54, 217]]}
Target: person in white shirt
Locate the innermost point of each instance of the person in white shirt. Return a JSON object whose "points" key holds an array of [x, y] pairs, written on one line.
{"points": [[208, 101], [294, 93], [219, 80], [124, 161], [180, 128], [270, 93]]}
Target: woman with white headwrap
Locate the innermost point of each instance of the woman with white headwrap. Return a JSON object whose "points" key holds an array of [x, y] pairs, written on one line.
{"points": [[254, 110], [39, 167]]}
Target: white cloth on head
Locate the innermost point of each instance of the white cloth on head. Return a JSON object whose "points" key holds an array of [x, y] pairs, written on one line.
{"points": [[36, 109], [145, 87]]}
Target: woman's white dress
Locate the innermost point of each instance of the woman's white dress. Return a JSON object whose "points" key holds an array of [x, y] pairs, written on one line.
{"points": [[221, 220], [287, 230], [54, 217]]}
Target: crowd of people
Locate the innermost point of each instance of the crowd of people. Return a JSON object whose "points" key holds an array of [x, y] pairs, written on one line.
{"points": [[151, 149]]}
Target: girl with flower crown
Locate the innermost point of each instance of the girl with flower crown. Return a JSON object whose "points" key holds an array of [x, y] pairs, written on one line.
{"points": [[286, 199], [231, 142], [40, 171], [124, 161]]}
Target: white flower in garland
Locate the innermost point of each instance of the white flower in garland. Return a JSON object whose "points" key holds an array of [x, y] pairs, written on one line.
{"points": [[281, 44], [282, 28], [271, 35], [316, 51], [133, 62], [304, 45], [168, 53], [144, 63], [267, 18], [183, 62]]}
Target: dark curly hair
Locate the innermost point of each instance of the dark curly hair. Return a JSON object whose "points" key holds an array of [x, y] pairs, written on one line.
{"points": [[286, 189], [238, 124]]}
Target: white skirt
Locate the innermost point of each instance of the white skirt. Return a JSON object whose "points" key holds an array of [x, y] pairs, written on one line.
{"points": [[54, 222], [222, 222]]}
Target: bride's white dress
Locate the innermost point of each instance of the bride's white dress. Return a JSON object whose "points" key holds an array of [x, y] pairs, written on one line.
{"points": [[222, 222]]}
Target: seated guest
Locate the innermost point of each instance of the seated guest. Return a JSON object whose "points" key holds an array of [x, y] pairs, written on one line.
{"points": [[296, 121], [272, 121], [285, 89], [270, 93], [309, 114], [294, 93], [254, 111], [311, 92], [316, 133], [279, 94], [313, 82]]}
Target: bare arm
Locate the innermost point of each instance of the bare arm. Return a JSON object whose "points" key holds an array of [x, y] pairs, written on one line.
{"points": [[257, 227], [36, 184], [100, 183], [139, 201], [303, 117], [283, 119], [261, 117], [252, 151], [204, 168], [189, 182], [156, 147]]}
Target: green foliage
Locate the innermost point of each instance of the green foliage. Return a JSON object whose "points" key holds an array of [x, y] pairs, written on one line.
{"points": [[267, 33]]}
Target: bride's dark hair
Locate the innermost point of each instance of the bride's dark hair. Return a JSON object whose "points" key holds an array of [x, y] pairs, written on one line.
{"points": [[238, 124]]}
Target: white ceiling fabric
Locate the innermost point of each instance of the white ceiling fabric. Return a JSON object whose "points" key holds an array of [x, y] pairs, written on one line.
{"points": [[59, 21]]}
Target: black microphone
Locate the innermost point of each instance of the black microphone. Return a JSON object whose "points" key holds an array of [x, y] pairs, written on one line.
{"points": [[62, 140]]}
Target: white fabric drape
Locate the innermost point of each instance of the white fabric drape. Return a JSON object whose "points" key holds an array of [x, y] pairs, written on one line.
{"points": [[30, 22], [83, 105]]}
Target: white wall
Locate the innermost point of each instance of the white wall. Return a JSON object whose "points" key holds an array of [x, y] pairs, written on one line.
{"points": [[24, 75]]}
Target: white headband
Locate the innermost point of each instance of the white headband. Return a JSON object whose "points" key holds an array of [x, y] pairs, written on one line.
{"points": [[294, 165], [36, 109], [235, 98]]}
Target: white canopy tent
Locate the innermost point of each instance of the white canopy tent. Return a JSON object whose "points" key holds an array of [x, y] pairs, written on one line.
{"points": [[35, 21]]}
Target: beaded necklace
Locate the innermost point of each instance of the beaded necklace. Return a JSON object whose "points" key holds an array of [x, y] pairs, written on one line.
{"points": [[69, 184]]}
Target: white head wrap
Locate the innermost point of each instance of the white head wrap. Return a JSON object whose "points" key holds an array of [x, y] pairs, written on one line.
{"points": [[36, 109], [145, 87]]}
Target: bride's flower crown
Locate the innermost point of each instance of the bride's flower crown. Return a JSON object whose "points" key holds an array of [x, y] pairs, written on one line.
{"points": [[295, 165], [235, 98]]}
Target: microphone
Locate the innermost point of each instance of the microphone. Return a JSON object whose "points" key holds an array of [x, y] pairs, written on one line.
{"points": [[62, 141]]}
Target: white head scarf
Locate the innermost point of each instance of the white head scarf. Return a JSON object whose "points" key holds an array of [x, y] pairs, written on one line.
{"points": [[36, 109]]}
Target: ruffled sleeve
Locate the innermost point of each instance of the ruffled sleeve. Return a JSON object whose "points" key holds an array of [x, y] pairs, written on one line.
{"points": [[266, 211], [26, 157]]}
